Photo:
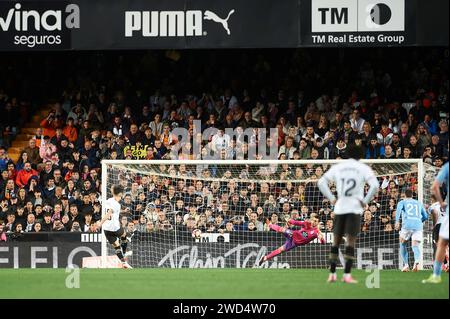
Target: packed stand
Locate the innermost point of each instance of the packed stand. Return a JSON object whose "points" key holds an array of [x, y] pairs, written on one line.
{"points": [[317, 105]]}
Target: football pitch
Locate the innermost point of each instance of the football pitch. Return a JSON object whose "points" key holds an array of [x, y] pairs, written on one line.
{"points": [[213, 284]]}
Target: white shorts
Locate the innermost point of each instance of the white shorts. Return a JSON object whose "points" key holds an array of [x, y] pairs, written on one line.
{"points": [[443, 231], [416, 235]]}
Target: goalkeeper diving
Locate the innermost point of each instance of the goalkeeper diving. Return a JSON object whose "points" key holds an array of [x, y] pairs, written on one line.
{"points": [[308, 232]]}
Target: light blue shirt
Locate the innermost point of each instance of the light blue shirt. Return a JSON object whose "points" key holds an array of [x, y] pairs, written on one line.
{"points": [[442, 178], [412, 213]]}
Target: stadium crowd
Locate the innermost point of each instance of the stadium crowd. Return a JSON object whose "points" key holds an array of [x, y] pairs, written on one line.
{"points": [[318, 107]]}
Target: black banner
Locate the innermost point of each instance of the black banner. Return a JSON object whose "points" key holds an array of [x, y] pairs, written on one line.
{"points": [[359, 23], [38, 25], [244, 249], [45, 254], [181, 250], [195, 24]]}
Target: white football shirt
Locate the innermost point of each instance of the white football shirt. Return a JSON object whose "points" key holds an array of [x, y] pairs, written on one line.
{"points": [[350, 176], [113, 224], [437, 208]]}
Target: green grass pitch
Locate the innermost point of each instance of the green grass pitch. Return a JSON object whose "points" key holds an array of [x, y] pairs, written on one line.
{"points": [[213, 283]]}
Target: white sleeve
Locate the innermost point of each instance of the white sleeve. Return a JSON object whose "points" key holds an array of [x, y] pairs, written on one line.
{"points": [[108, 205], [372, 180], [385, 183], [323, 184], [329, 174], [227, 139]]}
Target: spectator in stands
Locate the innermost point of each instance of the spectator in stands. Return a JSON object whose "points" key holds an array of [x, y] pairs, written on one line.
{"points": [[12, 172], [9, 191], [37, 227], [24, 175], [58, 225], [29, 227], [385, 133], [367, 222], [95, 117], [50, 124], [396, 144], [32, 152], [47, 149], [74, 216], [220, 140], [47, 225], [413, 146], [58, 137], [75, 227], [89, 155], [366, 135], [3, 236], [141, 225], [70, 131], [127, 119], [159, 151], [357, 122], [17, 234], [406, 152], [404, 134], [340, 151], [373, 149], [288, 148], [388, 152], [388, 227], [347, 134], [4, 159], [133, 136], [77, 113], [329, 224], [436, 146], [443, 133], [310, 136], [21, 161], [21, 197], [3, 180], [10, 218]]}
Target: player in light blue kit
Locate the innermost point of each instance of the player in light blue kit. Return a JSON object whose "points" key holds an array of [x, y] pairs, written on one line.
{"points": [[413, 214], [441, 178]]}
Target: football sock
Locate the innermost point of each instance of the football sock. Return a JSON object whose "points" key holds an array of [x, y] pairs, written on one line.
{"points": [[333, 258], [404, 253], [123, 244], [416, 251], [274, 253], [437, 268], [119, 253], [349, 256]]}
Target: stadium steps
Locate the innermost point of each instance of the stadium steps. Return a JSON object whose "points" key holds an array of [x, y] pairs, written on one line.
{"points": [[27, 132]]}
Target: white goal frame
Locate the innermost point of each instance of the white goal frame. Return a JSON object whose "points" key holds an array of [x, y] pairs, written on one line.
{"points": [[419, 162]]}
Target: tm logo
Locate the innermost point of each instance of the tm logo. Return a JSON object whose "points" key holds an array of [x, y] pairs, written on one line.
{"points": [[357, 15]]}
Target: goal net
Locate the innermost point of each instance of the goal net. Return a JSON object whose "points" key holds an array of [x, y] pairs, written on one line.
{"points": [[203, 214]]}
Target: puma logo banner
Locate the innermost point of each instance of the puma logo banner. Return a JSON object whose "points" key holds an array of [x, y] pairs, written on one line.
{"points": [[172, 23]]}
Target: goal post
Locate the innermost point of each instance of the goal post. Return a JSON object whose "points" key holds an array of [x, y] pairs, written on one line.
{"points": [[104, 189], [201, 213]]}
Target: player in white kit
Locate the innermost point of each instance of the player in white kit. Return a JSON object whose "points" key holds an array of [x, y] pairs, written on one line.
{"points": [[349, 176], [438, 214], [114, 232], [441, 178]]}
